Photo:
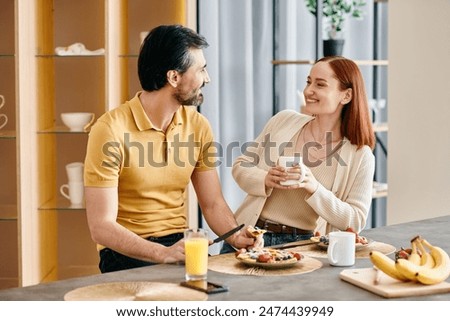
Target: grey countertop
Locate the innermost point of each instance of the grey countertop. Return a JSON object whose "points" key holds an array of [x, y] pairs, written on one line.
{"points": [[323, 284]]}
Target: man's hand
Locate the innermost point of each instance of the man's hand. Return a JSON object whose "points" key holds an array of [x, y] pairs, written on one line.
{"points": [[259, 241], [258, 235], [174, 253], [241, 240]]}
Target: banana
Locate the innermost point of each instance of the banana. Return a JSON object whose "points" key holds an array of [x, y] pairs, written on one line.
{"points": [[414, 257], [408, 269], [440, 271], [386, 264], [426, 259]]}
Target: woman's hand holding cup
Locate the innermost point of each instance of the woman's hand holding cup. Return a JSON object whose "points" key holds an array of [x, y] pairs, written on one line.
{"points": [[310, 184], [291, 173], [288, 174]]}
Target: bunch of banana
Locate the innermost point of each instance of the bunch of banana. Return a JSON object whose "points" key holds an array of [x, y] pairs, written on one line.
{"points": [[410, 266], [420, 266], [441, 269]]}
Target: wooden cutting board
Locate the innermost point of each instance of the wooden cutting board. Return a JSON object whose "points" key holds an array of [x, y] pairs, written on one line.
{"points": [[388, 287]]}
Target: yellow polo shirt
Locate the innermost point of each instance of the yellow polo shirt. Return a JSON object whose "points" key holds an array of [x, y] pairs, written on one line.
{"points": [[150, 168]]}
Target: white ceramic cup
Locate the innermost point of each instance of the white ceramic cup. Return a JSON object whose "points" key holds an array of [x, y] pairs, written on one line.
{"points": [[3, 120], [143, 35], [290, 161], [3, 117], [77, 122], [341, 249], [75, 171], [74, 192]]}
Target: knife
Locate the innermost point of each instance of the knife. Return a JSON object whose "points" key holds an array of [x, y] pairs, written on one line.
{"points": [[294, 244], [227, 234]]}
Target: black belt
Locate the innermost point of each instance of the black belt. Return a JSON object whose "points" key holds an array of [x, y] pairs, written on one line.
{"points": [[280, 228], [175, 236]]}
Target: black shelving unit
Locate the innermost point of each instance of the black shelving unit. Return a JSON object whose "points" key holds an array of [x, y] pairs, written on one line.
{"points": [[377, 64]]}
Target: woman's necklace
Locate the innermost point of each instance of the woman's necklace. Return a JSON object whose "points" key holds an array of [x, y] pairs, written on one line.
{"points": [[328, 137], [319, 150], [312, 134]]}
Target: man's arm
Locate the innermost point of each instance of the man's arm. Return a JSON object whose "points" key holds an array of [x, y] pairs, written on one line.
{"points": [[101, 209], [216, 211]]}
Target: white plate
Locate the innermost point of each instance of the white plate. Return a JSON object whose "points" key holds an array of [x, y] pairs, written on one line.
{"points": [[270, 266]]}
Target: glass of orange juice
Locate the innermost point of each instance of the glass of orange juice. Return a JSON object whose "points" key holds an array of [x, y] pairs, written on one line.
{"points": [[196, 252]]}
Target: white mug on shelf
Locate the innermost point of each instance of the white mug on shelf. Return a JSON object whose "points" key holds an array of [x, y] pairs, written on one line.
{"points": [[143, 35], [3, 117], [341, 248], [74, 193], [77, 122], [75, 171], [290, 161], [376, 105], [3, 120]]}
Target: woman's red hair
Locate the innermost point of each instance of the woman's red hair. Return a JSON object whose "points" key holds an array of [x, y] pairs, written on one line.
{"points": [[356, 124]]}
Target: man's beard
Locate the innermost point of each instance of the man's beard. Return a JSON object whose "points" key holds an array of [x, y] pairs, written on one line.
{"points": [[195, 99]]}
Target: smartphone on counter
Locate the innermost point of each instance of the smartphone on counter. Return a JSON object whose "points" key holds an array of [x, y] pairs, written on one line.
{"points": [[205, 286]]}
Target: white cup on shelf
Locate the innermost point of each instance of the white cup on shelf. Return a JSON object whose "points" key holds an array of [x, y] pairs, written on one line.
{"points": [[376, 105], [77, 122], [143, 35], [75, 171], [3, 120], [74, 192], [3, 117]]}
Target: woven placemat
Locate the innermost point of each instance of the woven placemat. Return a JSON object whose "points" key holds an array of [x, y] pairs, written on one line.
{"points": [[314, 250], [227, 263], [135, 291]]}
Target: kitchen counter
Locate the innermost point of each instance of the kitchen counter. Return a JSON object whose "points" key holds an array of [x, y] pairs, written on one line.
{"points": [[323, 284]]}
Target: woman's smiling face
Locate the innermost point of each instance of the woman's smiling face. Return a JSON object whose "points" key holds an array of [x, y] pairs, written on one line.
{"points": [[323, 94]]}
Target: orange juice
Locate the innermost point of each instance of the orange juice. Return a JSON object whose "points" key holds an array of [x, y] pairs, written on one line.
{"points": [[196, 251]]}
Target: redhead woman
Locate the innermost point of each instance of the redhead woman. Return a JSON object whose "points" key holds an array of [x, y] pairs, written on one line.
{"points": [[335, 138]]}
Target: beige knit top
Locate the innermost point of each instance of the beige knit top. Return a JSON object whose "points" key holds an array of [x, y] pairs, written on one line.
{"points": [[342, 199], [285, 207]]}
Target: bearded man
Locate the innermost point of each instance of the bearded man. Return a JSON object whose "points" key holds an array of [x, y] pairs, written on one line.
{"points": [[142, 155]]}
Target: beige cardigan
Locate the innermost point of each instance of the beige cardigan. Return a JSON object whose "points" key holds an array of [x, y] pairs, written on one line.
{"points": [[346, 205]]}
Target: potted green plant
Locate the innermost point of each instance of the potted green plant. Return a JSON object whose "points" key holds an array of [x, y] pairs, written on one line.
{"points": [[334, 14]]}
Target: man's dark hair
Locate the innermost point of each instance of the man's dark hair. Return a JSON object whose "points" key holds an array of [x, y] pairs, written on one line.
{"points": [[166, 48]]}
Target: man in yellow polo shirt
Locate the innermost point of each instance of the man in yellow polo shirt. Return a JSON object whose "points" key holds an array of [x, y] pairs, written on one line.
{"points": [[142, 155]]}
